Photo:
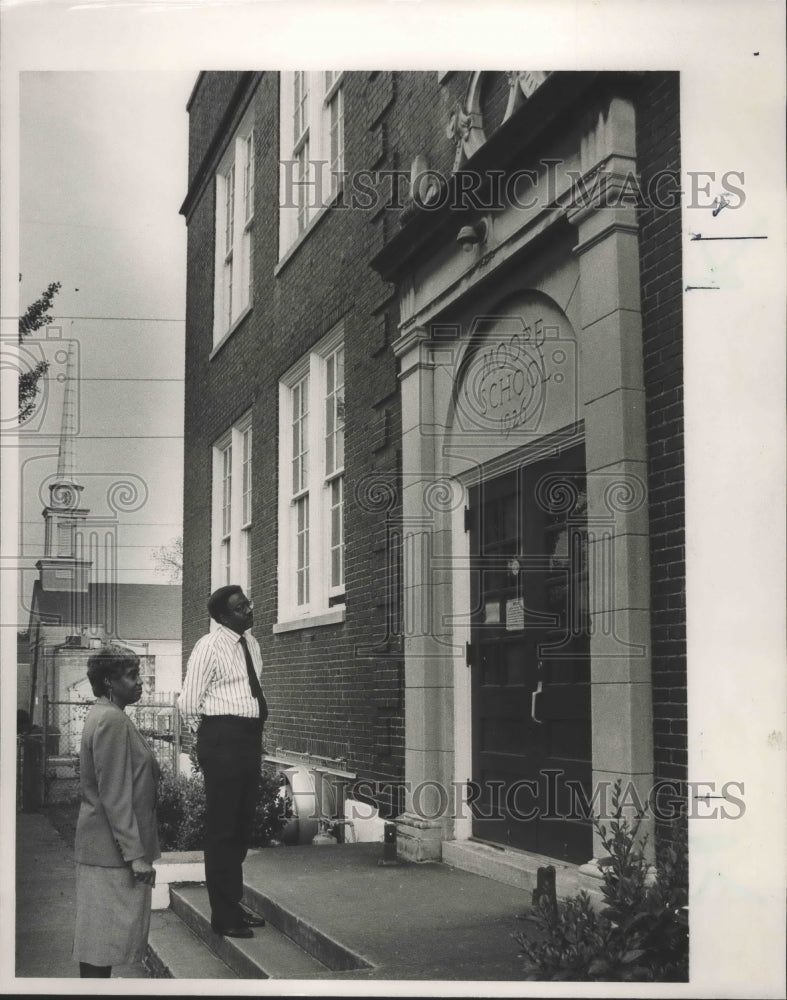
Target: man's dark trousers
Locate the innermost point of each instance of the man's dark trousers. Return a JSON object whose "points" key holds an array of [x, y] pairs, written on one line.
{"points": [[229, 751]]}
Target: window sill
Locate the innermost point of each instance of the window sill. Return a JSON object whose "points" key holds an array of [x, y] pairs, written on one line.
{"points": [[225, 337], [332, 617]]}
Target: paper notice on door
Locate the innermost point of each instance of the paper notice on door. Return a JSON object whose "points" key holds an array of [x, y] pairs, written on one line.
{"points": [[515, 615]]}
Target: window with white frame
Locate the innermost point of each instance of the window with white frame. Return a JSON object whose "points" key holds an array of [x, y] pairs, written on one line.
{"points": [[232, 507], [312, 144], [234, 231], [311, 484]]}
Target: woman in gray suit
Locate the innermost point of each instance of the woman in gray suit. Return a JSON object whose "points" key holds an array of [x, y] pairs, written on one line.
{"points": [[117, 836]]}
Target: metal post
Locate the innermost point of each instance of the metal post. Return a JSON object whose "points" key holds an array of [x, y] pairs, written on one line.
{"points": [[389, 846]]}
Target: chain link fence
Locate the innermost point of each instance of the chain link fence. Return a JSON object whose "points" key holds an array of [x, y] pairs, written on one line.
{"points": [[48, 757]]}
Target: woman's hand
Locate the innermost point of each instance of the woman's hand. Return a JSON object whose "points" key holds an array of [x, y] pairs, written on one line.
{"points": [[143, 873]]}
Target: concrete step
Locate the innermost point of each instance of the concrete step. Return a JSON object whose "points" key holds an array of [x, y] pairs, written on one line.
{"points": [[331, 954], [175, 952], [270, 954]]}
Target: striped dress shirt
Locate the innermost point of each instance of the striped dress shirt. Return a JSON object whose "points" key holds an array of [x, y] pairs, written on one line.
{"points": [[217, 681]]}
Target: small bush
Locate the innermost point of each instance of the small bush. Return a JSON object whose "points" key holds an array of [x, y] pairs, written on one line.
{"points": [[642, 932], [181, 811]]}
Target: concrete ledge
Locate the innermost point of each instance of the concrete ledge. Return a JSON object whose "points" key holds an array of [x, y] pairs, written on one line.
{"points": [[519, 869], [175, 867]]}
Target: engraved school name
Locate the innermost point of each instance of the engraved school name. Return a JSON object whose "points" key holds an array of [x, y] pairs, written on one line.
{"points": [[505, 385]]}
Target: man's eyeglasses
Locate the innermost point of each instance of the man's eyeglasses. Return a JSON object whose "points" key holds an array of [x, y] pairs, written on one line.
{"points": [[243, 606]]}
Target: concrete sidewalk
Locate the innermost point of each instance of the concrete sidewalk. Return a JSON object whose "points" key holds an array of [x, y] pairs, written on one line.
{"points": [[45, 899]]}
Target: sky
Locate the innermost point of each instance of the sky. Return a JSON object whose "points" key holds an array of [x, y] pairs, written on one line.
{"points": [[96, 94], [103, 158]]}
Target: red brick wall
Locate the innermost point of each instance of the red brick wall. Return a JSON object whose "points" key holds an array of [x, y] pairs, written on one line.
{"points": [[334, 690], [658, 149]]}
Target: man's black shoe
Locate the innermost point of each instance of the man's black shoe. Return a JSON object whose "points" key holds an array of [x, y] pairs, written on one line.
{"points": [[250, 919], [234, 932]]}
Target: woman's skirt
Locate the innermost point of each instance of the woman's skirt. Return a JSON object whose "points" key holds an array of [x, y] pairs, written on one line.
{"points": [[112, 916]]}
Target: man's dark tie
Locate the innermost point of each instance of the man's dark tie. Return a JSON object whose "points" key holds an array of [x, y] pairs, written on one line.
{"points": [[254, 683]]}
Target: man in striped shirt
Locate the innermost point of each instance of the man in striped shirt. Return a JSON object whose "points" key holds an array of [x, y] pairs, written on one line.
{"points": [[223, 696]]}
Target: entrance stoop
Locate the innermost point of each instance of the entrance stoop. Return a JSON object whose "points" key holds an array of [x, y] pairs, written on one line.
{"points": [[336, 912]]}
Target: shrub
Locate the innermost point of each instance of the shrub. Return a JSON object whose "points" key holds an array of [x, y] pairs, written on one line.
{"points": [[181, 811], [641, 934]]}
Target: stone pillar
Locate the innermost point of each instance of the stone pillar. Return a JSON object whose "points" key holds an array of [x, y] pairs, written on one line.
{"points": [[429, 748], [613, 407]]}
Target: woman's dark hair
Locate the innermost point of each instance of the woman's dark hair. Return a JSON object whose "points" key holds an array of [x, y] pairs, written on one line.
{"points": [[217, 604], [109, 661]]}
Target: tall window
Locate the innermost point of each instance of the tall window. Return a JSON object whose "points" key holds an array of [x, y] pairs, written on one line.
{"points": [[232, 507], [226, 513], [300, 485], [334, 113], [311, 477], [334, 460], [234, 230], [246, 506], [312, 164]]}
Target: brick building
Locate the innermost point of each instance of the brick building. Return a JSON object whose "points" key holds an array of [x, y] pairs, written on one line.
{"points": [[445, 309]]}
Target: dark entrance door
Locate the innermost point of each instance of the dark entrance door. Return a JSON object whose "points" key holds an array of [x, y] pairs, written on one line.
{"points": [[529, 657]]}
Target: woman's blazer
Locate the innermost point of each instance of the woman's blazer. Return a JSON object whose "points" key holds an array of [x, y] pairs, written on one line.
{"points": [[119, 784]]}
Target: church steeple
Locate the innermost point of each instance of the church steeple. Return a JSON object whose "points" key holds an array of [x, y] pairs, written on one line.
{"points": [[62, 568]]}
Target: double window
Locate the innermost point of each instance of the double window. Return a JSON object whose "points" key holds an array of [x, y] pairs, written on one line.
{"points": [[312, 144], [234, 231], [232, 508], [311, 484]]}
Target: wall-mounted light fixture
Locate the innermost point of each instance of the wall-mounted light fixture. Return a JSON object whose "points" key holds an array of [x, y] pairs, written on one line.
{"points": [[470, 236]]}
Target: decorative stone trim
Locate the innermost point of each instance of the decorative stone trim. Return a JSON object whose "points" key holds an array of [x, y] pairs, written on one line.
{"points": [[418, 839]]}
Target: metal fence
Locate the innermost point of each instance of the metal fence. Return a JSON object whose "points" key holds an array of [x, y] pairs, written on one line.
{"points": [[48, 760]]}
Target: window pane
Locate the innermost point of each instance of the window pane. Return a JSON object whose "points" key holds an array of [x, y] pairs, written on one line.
{"points": [[248, 178], [337, 532], [302, 547], [246, 514], [329, 455], [300, 435], [334, 412], [336, 138], [245, 555], [226, 491], [248, 269], [225, 559], [302, 185], [229, 208], [301, 104], [228, 293]]}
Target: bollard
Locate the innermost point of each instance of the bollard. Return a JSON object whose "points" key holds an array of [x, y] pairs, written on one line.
{"points": [[545, 892], [389, 846]]}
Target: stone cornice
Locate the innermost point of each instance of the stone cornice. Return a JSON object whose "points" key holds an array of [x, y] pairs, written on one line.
{"points": [[561, 94]]}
